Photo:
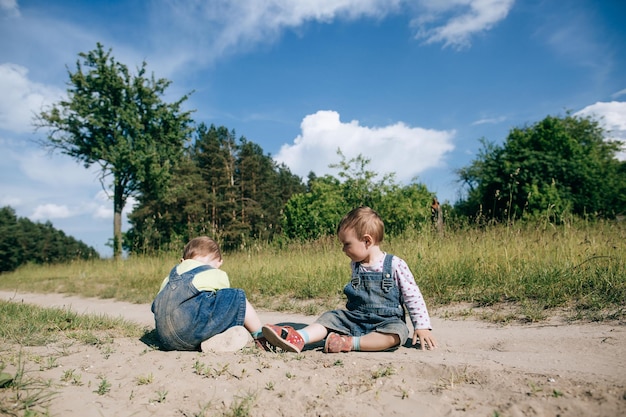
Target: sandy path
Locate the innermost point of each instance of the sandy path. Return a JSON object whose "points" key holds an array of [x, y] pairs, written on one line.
{"points": [[480, 369]]}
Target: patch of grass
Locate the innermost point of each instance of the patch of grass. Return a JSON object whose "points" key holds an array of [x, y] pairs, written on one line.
{"points": [[72, 377], [29, 325], [22, 395], [104, 386], [536, 269], [241, 406], [161, 396], [383, 372], [145, 380]]}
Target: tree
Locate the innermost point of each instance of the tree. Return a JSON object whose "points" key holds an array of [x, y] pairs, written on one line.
{"points": [[223, 187], [317, 212], [118, 121], [560, 165], [22, 241]]}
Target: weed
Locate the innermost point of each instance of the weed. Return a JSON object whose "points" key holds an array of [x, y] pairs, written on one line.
{"points": [[22, 394], [204, 409], [161, 395], [383, 372], [241, 406], [72, 377], [533, 388], [144, 380], [103, 387]]}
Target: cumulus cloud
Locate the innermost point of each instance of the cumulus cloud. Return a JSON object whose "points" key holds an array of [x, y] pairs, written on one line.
{"points": [[455, 22], [612, 117], [22, 98], [100, 207], [51, 211], [400, 149]]}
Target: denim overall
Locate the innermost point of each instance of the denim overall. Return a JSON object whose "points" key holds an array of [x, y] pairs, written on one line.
{"points": [[185, 317], [374, 304]]}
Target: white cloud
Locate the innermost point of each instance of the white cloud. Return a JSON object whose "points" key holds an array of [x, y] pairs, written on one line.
{"points": [[10, 200], [221, 27], [398, 148], [207, 30], [55, 170], [612, 117], [454, 22], [619, 93], [489, 120], [51, 211], [21, 98], [9, 8]]}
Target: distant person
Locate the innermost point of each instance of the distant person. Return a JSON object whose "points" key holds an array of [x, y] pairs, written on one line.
{"points": [[435, 209], [195, 302], [381, 285], [436, 215]]}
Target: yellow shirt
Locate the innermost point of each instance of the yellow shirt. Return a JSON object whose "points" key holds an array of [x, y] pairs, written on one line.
{"points": [[211, 280]]}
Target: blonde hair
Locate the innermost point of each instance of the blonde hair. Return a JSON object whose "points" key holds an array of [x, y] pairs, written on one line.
{"points": [[364, 221], [201, 246]]}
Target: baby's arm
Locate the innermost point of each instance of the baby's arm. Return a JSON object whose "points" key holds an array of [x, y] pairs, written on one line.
{"points": [[415, 304], [426, 339]]}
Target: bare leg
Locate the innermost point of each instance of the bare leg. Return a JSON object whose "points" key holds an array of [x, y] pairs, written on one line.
{"points": [[316, 332], [251, 321], [376, 342]]}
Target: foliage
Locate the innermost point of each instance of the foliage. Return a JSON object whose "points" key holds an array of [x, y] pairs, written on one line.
{"points": [[223, 187], [118, 121], [560, 165], [318, 211], [22, 241]]}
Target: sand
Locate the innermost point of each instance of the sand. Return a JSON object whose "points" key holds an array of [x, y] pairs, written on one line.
{"points": [[480, 369]]}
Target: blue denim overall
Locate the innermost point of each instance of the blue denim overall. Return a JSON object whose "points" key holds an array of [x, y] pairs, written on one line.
{"points": [[374, 305], [185, 317]]}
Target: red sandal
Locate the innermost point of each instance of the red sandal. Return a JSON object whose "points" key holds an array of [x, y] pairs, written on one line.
{"points": [[285, 337], [336, 343]]}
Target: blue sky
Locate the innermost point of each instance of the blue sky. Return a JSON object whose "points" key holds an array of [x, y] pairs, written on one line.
{"points": [[412, 85]]}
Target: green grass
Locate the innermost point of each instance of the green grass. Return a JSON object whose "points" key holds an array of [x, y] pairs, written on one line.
{"points": [[25, 325], [533, 270]]}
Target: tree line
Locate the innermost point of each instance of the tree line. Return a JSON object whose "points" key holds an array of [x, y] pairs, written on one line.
{"points": [[221, 186], [23, 241], [193, 179]]}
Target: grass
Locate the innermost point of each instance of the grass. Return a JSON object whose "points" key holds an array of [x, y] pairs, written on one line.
{"points": [[532, 270], [21, 394], [27, 325]]}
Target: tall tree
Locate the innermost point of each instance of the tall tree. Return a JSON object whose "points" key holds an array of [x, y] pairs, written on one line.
{"points": [[118, 121], [559, 165], [225, 188]]}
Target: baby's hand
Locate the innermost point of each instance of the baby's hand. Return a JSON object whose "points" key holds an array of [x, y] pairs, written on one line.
{"points": [[426, 339]]}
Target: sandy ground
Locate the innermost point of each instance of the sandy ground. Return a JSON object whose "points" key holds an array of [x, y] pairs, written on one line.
{"points": [[480, 369]]}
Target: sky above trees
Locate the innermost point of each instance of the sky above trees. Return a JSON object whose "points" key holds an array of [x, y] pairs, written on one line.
{"points": [[409, 85]]}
